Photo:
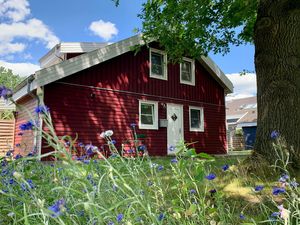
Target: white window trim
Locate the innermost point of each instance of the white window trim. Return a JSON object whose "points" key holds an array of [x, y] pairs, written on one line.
{"points": [[201, 128], [155, 119], [192, 71], [165, 61]]}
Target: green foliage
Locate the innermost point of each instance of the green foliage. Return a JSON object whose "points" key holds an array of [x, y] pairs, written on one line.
{"points": [[196, 27], [8, 79]]}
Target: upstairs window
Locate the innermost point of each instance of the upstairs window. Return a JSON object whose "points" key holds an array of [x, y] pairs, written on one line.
{"points": [[148, 115], [196, 119], [187, 71], [158, 64]]}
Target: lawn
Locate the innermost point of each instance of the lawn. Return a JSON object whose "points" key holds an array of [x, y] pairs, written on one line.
{"points": [[137, 191]]}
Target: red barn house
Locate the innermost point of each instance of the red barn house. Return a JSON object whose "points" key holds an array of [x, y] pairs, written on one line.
{"points": [[111, 87]]}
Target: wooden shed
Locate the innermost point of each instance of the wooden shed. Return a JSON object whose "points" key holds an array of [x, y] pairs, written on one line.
{"points": [[112, 87]]}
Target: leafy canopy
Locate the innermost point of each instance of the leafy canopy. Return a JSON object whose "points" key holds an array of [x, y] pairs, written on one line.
{"points": [[196, 27], [8, 79]]}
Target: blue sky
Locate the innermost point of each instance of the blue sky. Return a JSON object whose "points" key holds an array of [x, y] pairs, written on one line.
{"points": [[29, 28]]}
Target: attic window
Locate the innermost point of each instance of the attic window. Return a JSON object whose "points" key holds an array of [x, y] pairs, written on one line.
{"points": [[187, 71], [158, 64]]}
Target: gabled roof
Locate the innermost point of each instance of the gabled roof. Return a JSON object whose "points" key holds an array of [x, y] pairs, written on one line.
{"points": [[53, 73]]}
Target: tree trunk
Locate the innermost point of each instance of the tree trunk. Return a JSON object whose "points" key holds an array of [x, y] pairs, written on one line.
{"points": [[277, 64]]}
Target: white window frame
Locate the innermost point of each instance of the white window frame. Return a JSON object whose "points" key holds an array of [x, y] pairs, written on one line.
{"points": [[201, 128], [165, 62], [154, 126], [192, 82]]}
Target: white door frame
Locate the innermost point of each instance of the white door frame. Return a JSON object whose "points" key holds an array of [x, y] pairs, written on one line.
{"points": [[169, 136]]}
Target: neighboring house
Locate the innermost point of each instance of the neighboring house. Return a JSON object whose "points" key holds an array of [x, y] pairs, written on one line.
{"points": [[114, 86], [7, 124], [241, 116]]}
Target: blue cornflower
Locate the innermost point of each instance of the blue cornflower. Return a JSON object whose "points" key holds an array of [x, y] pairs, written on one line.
{"points": [[42, 109], [193, 191], [259, 188], [31, 185], [120, 217], [149, 183], [225, 167], [283, 178], [9, 153], [160, 168], [172, 148], [210, 176], [212, 191], [30, 154], [18, 156], [275, 214], [142, 148], [294, 184], [277, 190], [174, 160], [5, 92], [242, 217], [113, 142], [110, 223], [274, 134], [11, 181], [133, 125], [18, 145], [161, 217], [27, 126], [57, 207], [23, 186]]}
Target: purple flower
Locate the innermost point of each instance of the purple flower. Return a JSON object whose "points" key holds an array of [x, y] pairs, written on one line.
{"points": [[161, 217], [133, 125], [160, 168], [18, 145], [283, 178], [18, 156], [193, 191], [275, 214], [212, 191], [274, 134], [30, 154], [172, 148], [174, 160], [277, 190], [119, 217], [5, 92], [210, 176], [57, 207], [242, 217], [142, 148], [26, 126], [113, 142], [225, 167], [42, 109], [259, 188], [149, 183], [294, 184], [20, 133]]}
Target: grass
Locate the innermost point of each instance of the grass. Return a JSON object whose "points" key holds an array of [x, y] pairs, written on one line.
{"points": [[141, 191]]}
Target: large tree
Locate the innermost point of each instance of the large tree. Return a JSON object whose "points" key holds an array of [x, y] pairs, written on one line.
{"points": [[197, 27], [8, 79]]}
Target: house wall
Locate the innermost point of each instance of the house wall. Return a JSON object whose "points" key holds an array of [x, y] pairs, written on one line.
{"points": [[24, 113], [84, 103]]}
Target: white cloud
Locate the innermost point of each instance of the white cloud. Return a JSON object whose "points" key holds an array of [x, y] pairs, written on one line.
{"points": [[16, 25], [15, 10], [23, 69], [105, 30], [244, 86]]}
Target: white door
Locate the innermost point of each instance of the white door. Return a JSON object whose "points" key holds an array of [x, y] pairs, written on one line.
{"points": [[175, 126]]}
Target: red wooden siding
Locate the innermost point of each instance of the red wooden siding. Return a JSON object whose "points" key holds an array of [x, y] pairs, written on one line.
{"points": [[75, 110], [27, 139]]}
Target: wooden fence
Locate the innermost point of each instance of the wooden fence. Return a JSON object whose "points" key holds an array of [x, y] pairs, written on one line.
{"points": [[6, 135]]}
